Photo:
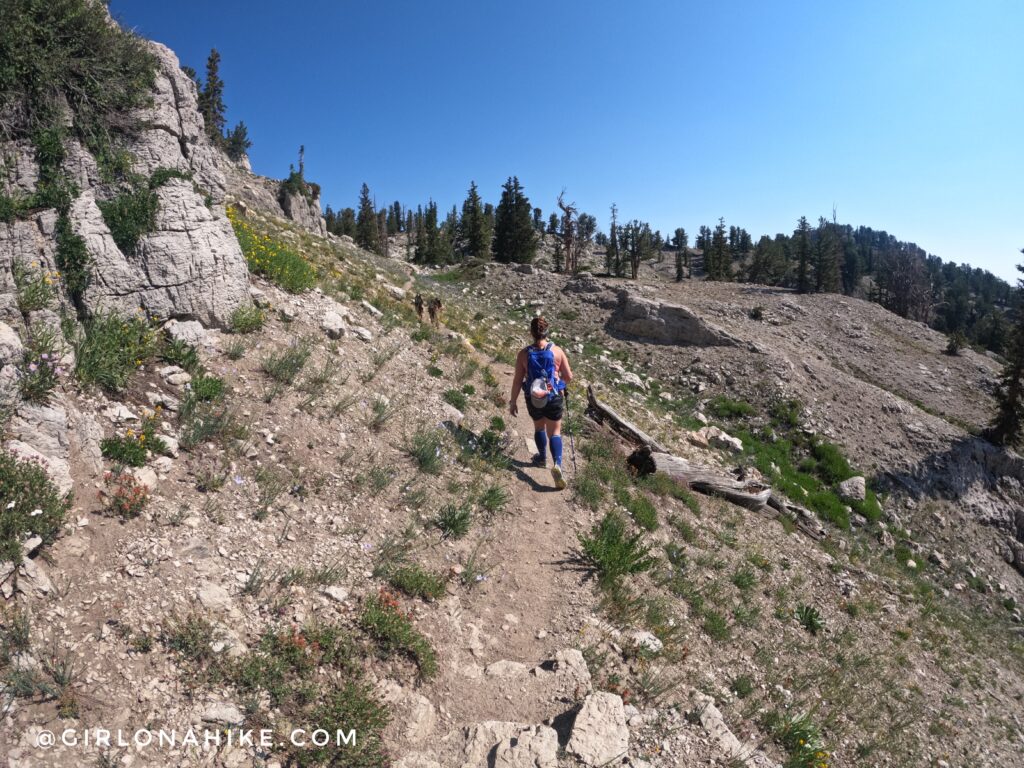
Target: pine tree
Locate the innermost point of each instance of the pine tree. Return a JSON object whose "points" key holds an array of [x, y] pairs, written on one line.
{"points": [[612, 259], [802, 241], [211, 99], [717, 263], [826, 258], [475, 236], [366, 221], [514, 237], [236, 143], [1007, 427], [553, 222], [538, 220], [680, 241]]}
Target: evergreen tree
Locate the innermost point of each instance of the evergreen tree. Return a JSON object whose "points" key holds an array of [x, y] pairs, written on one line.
{"points": [[612, 259], [514, 237], [1007, 427], [680, 241], [717, 263], [236, 143], [802, 240], [826, 258], [553, 223], [475, 235], [366, 222], [211, 99], [347, 222], [538, 220]]}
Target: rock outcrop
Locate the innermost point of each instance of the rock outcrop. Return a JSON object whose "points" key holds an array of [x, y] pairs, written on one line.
{"points": [[663, 323]]}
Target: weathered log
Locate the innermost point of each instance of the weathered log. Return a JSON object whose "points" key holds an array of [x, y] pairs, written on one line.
{"points": [[652, 457], [602, 413], [746, 493]]}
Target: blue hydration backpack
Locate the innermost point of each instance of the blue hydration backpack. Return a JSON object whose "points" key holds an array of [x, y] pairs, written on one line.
{"points": [[540, 364]]}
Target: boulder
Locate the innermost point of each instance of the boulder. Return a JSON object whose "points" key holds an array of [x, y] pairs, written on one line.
{"points": [[854, 489], [713, 437], [333, 324], [190, 266], [533, 747], [189, 332], [599, 733], [223, 712], [664, 323]]}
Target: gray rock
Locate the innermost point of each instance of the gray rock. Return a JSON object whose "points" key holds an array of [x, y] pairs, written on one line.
{"points": [[362, 333], [533, 747], [599, 734], [666, 323], [854, 489], [190, 332], [11, 348], [190, 266], [333, 324], [223, 712], [214, 597], [505, 669], [371, 309]]}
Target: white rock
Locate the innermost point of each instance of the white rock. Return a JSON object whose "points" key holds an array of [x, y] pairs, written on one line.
{"points": [[533, 747], [644, 639], [599, 734], [504, 668], [190, 332], [222, 712], [338, 594], [362, 333], [333, 324], [10, 346], [371, 309], [214, 597], [146, 476], [854, 489]]}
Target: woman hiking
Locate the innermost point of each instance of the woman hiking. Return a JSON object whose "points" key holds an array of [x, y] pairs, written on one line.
{"points": [[542, 372]]}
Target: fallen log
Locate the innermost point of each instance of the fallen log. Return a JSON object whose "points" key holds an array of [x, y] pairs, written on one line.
{"points": [[746, 493], [652, 457], [602, 413]]}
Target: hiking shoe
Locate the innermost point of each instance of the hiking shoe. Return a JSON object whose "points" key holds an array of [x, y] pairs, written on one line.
{"points": [[538, 461], [556, 474]]}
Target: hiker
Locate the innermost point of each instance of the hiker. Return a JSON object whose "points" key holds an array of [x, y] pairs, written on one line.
{"points": [[434, 308], [542, 372], [418, 303]]}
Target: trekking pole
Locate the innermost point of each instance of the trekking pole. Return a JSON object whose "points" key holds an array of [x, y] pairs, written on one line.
{"points": [[572, 438]]}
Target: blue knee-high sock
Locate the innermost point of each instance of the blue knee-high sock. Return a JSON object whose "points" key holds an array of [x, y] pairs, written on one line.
{"points": [[541, 438], [556, 449]]}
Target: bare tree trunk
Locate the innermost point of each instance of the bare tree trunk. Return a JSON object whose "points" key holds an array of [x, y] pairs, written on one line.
{"points": [[653, 458]]}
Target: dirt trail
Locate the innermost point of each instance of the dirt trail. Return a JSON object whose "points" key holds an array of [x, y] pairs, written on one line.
{"points": [[530, 605]]}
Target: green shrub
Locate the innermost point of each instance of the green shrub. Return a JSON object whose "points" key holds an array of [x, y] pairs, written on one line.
{"points": [[726, 408], [54, 50], [247, 318], [453, 521], [130, 215], [433, 370], [205, 387], [393, 632], [272, 259], [204, 422], [111, 349], [742, 686], [810, 618], [455, 398], [30, 505], [34, 286], [182, 354], [716, 626], [417, 582], [161, 176], [284, 366], [744, 578], [494, 499], [832, 466], [612, 553], [643, 512], [40, 369], [956, 341], [130, 449], [190, 637], [73, 260], [425, 448]]}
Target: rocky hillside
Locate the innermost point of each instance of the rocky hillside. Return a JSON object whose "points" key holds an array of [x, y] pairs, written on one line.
{"points": [[244, 487]]}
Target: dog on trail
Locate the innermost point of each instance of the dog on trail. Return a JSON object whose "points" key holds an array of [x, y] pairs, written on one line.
{"points": [[434, 307]]}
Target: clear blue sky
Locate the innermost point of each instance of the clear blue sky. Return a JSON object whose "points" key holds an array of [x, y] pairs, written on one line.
{"points": [[907, 116]]}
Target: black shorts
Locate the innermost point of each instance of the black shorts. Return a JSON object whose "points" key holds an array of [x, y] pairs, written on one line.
{"points": [[552, 410]]}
